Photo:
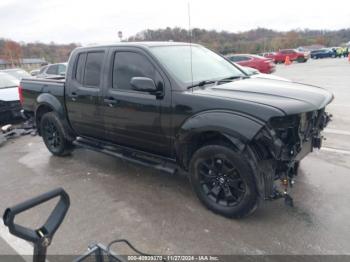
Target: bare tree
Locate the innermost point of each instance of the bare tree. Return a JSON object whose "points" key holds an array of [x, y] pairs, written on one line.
{"points": [[12, 52]]}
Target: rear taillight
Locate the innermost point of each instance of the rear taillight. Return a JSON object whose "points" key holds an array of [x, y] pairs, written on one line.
{"points": [[20, 93]]}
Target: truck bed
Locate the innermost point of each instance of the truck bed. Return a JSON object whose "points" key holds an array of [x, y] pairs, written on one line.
{"points": [[32, 88]]}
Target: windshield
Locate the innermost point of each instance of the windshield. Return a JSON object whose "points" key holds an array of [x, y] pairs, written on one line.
{"points": [[206, 65], [7, 81]]}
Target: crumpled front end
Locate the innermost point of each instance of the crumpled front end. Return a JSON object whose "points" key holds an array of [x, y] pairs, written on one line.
{"points": [[9, 110], [282, 144]]}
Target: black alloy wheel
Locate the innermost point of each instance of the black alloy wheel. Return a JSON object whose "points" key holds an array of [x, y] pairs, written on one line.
{"points": [[54, 135], [224, 180], [221, 181]]}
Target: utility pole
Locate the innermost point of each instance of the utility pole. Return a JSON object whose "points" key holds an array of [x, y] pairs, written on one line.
{"points": [[120, 35]]}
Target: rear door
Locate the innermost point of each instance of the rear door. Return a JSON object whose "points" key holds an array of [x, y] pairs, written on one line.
{"points": [[134, 118], [83, 93]]}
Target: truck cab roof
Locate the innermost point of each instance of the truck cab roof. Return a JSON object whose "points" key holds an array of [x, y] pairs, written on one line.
{"points": [[137, 44]]}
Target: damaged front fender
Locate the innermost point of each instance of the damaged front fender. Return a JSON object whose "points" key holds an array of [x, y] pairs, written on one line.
{"points": [[239, 129]]}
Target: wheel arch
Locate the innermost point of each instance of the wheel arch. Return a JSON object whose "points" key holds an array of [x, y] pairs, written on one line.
{"points": [[49, 103], [232, 128]]}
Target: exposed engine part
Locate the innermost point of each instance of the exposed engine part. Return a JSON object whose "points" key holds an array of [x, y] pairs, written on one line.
{"points": [[293, 138]]}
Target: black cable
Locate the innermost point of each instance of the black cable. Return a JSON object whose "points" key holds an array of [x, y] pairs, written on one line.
{"points": [[130, 246]]}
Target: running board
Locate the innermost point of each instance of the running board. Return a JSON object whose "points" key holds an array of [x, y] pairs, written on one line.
{"points": [[130, 155]]}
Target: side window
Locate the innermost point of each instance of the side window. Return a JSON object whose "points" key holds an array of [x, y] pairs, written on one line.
{"points": [[128, 65], [52, 70], [79, 70], [93, 68]]}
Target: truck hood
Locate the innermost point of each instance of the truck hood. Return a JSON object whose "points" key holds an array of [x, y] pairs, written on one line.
{"points": [[289, 97], [9, 94]]}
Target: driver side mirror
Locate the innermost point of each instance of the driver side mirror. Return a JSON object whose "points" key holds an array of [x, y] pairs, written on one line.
{"points": [[143, 84]]}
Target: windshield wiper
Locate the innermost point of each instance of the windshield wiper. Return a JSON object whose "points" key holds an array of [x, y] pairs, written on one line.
{"points": [[226, 79], [230, 78], [202, 83]]}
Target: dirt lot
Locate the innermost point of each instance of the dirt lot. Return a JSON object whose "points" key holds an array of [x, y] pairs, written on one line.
{"points": [[160, 214]]}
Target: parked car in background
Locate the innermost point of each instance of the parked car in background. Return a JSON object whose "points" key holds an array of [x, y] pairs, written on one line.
{"points": [[253, 73], [10, 106], [17, 73], [322, 53], [294, 55], [34, 72], [53, 71], [264, 65]]}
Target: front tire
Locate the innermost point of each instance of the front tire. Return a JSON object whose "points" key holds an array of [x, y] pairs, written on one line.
{"points": [[223, 181], [54, 135]]}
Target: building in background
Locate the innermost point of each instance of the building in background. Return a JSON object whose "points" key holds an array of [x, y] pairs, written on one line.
{"points": [[25, 63]]}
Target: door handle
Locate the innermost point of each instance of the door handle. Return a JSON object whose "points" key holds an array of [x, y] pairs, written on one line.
{"points": [[74, 96], [110, 101]]}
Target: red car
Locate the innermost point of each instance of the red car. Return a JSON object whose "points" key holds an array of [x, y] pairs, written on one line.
{"points": [[293, 54], [264, 65]]}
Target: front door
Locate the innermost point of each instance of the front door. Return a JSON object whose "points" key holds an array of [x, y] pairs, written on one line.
{"points": [[134, 118]]}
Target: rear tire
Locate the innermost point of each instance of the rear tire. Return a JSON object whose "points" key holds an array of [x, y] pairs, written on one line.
{"points": [[223, 181], [54, 135]]}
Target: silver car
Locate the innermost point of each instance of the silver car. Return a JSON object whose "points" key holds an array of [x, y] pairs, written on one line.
{"points": [[53, 71]]}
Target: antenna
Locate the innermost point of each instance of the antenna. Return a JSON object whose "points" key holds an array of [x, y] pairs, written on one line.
{"points": [[190, 34]]}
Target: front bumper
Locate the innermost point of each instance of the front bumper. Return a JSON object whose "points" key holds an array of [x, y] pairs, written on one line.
{"points": [[9, 110]]}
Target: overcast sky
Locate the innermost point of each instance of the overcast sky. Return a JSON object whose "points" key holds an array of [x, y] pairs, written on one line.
{"points": [[98, 21]]}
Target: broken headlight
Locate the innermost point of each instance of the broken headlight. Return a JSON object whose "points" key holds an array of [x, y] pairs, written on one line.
{"points": [[284, 122], [286, 127]]}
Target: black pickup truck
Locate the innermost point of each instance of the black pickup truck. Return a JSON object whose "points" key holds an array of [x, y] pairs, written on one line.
{"points": [[177, 106]]}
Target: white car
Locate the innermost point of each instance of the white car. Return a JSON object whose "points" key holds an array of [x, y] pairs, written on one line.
{"points": [[10, 106], [256, 74], [17, 73]]}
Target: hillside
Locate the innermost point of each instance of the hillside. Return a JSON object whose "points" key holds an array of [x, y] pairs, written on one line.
{"points": [[252, 41]]}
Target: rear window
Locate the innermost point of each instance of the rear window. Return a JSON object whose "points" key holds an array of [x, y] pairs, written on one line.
{"points": [[93, 68]]}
